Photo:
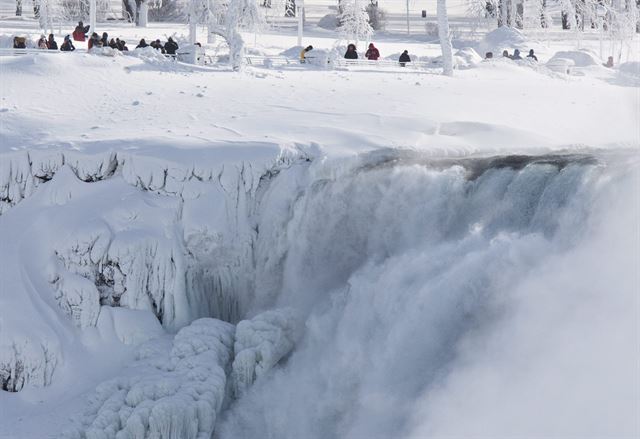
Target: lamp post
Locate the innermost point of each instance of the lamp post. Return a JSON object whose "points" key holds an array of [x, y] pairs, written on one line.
{"points": [[92, 15], [601, 12], [300, 16], [408, 27]]}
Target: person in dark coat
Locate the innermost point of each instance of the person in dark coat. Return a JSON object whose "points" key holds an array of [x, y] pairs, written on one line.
{"points": [[404, 58], [122, 45], [80, 32], [113, 44], [532, 55], [142, 44], [170, 47], [67, 45], [105, 39], [516, 55], [505, 54], [158, 46], [372, 53], [351, 52], [51, 43]]}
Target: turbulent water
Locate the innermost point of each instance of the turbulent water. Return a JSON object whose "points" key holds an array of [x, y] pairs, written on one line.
{"points": [[485, 297]]}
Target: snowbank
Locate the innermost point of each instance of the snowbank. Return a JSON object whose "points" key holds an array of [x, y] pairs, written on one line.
{"points": [[328, 22], [580, 58], [630, 68], [503, 38]]}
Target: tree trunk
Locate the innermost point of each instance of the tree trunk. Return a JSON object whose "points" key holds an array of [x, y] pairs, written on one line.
{"points": [[143, 14], [445, 38]]}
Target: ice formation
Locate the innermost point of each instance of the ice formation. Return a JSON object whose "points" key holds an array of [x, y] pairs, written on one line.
{"points": [[260, 343], [175, 394]]}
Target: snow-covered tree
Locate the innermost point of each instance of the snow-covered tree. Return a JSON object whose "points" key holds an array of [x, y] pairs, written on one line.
{"points": [[354, 20], [227, 22], [445, 38], [44, 14], [139, 11]]}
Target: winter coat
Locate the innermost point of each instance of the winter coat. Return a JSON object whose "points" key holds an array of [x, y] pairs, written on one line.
{"points": [[79, 34], [142, 46], [67, 46], [404, 58], [52, 45], [19, 43], [533, 57], [372, 54], [94, 42], [42, 44], [351, 55], [170, 47]]}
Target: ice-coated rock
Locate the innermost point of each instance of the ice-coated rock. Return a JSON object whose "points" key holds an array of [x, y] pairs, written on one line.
{"points": [[260, 343], [169, 394]]}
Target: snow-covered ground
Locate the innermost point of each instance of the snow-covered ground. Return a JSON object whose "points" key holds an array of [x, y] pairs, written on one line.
{"points": [[349, 252]]}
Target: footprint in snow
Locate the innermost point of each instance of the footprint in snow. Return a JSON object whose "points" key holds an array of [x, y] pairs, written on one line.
{"points": [[200, 95], [135, 103]]}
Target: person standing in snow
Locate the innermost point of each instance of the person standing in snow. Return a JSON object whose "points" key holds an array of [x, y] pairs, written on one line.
{"points": [[532, 55], [80, 32], [303, 53], [42, 42], [105, 39], [404, 58], [94, 41], [142, 44], [67, 45], [122, 45], [609, 62], [372, 53], [19, 43], [113, 44], [351, 52], [505, 54], [516, 55], [170, 46], [51, 43], [158, 46]]}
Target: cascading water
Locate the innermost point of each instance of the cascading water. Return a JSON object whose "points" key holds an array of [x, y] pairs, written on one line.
{"points": [[449, 298]]}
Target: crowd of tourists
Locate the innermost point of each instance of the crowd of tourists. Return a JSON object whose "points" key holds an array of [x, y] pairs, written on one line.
{"points": [[80, 33]]}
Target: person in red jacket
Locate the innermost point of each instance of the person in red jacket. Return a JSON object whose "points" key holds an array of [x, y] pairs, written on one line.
{"points": [[80, 32], [372, 54]]}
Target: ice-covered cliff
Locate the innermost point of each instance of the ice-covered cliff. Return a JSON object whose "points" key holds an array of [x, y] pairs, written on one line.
{"points": [[370, 283]]}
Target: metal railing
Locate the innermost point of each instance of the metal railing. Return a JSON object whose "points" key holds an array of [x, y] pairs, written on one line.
{"points": [[270, 61]]}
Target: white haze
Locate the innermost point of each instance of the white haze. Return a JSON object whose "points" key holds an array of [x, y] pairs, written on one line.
{"points": [[441, 307]]}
